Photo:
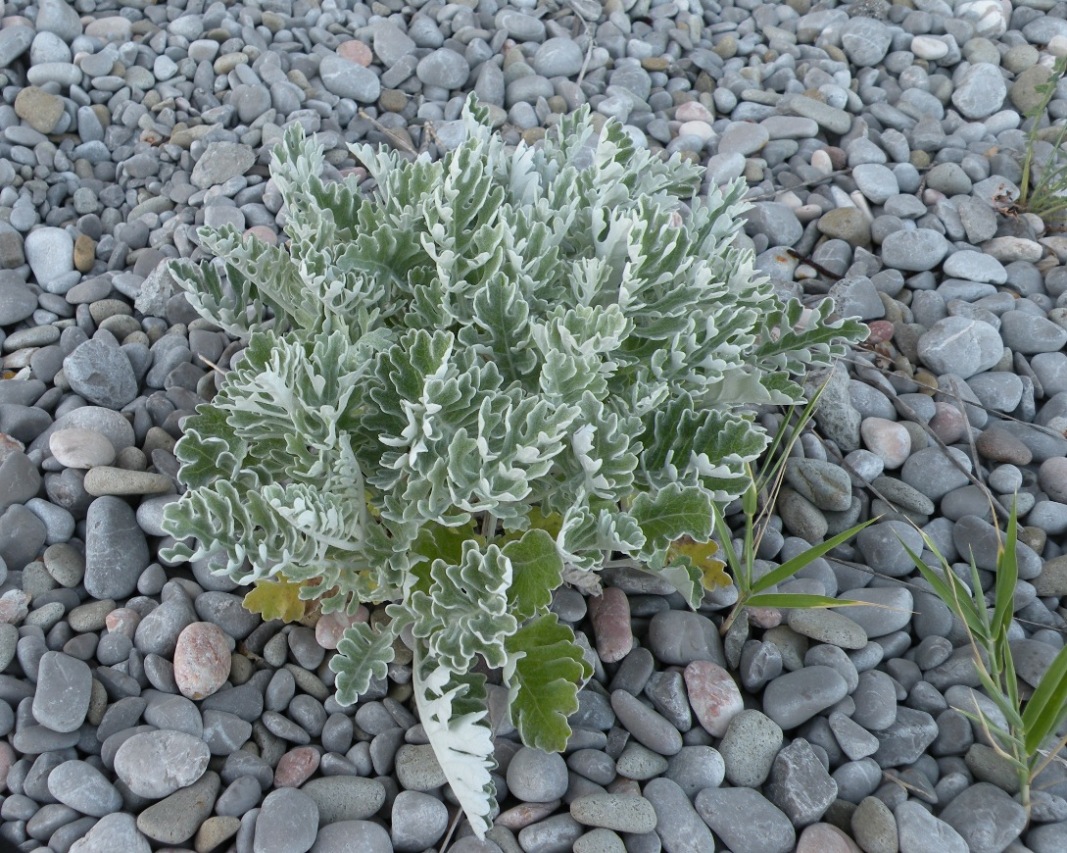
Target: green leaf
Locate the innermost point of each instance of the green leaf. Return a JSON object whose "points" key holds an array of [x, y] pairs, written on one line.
{"points": [[537, 569], [673, 512], [363, 655], [791, 567], [797, 600], [544, 672], [1045, 710], [1007, 579], [466, 611]]}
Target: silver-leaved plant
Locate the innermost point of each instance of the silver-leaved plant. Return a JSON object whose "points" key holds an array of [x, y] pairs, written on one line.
{"points": [[482, 380]]}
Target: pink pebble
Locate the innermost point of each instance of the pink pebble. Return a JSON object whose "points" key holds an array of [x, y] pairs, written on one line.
{"points": [[888, 440], [764, 617], [948, 423], [331, 627], [610, 614], [355, 51], [296, 767], [881, 331], [264, 233], [713, 694], [201, 660], [524, 814], [123, 620], [825, 838], [693, 111]]}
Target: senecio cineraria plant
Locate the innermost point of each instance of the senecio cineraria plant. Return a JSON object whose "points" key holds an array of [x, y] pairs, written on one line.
{"points": [[494, 374]]}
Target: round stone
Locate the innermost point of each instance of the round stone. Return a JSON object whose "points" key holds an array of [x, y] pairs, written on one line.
{"points": [[914, 250], [535, 776], [201, 660], [961, 346], [288, 822]]}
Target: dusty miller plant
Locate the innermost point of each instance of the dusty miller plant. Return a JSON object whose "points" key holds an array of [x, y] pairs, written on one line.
{"points": [[487, 378]]}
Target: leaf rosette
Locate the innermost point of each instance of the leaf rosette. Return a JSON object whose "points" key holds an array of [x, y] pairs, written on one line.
{"points": [[481, 379]]}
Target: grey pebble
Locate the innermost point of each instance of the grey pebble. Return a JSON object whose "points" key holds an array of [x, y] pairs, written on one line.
{"points": [[919, 831], [155, 764], [347, 835], [83, 787], [116, 551], [102, 374], [536, 776], [288, 822], [63, 689], [748, 748], [647, 726], [796, 697], [746, 820]]}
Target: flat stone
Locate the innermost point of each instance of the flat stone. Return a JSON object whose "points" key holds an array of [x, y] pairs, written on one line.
{"points": [[102, 374], [713, 695], [156, 764], [796, 697], [111, 833], [746, 820], [960, 345], [826, 626], [620, 812], [288, 823], [914, 250], [64, 685], [84, 788], [920, 832], [222, 161], [748, 748], [116, 551], [176, 818], [349, 80]]}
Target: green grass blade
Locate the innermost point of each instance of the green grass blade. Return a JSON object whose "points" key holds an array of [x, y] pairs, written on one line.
{"points": [[791, 567], [948, 591], [1007, 580], [1046, 707], [799, 601]]}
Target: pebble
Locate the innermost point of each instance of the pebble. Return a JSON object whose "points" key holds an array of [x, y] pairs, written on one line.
{"points": [[620, 812], [714, 696], [63, 691], [177, 818], [288, 823], [156, 764], [745, 820], [795, 697], [84, 788], [535, 776], [201, 660], [646, 726], [748, 748], [112, 832]]}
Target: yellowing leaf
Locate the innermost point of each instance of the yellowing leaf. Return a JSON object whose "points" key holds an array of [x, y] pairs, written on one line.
{"points": [[702, 556], [276, 599]]}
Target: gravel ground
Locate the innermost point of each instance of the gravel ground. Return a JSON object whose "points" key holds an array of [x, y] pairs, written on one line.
{"points": [[882, 145]]}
